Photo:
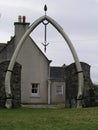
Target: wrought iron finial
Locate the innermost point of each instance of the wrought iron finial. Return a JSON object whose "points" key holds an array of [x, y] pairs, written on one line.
{"points": [[45, 22], [45, 9], [45, 44]]}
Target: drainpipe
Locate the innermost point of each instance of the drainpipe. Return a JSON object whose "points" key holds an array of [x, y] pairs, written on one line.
{"points": [[49, 94], [49, 87]]}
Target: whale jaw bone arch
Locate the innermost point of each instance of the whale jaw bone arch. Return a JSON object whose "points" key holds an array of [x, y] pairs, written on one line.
{"points": [[8, 103]]}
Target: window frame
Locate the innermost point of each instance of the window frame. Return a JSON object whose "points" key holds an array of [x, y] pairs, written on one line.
{"points": [[59, 90], [36, 94]]}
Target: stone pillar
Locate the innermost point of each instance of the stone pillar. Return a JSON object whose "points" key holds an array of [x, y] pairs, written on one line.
{"points": [[15, 84], [72, 85]]}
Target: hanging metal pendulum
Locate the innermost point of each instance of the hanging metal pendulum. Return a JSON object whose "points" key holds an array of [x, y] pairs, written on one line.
{"points": [[45, 22]]}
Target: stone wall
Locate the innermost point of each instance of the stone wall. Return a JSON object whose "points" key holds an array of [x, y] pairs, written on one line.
{"points": [[72, 85], [15, 84], [7, 51]]}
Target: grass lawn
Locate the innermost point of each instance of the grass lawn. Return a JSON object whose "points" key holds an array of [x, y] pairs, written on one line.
{"points": [[49, 119]]}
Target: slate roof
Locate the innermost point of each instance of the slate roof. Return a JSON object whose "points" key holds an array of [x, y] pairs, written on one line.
{"points": [[57, 73], [2, 45]]}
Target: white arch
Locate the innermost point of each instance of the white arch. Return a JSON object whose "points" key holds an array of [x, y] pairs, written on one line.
{"points": [[18, 48]]}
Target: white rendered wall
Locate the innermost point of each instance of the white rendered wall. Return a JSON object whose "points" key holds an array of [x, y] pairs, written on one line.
{"points": [[34, 70]]}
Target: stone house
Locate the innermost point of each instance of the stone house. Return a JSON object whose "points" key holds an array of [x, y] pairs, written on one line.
{"points": [[34, 81]]}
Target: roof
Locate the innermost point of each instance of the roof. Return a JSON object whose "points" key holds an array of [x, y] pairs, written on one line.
{"points": [[58, 73], [2, 45]]}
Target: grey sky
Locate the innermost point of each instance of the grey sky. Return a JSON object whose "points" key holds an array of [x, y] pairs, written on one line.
{"points": [[78, 18]]}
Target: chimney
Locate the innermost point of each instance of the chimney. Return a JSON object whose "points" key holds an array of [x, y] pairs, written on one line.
{"points": [[19, 19], [24, 18], [20, 28]]}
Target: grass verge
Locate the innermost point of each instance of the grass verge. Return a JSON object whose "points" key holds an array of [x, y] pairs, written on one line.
{"points": [[49, 119]]}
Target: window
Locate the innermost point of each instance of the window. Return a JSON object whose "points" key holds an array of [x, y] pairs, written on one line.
{"points": [[35, 89], [59, 90]]}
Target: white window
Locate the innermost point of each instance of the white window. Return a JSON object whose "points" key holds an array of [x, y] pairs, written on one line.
{"points": [[35, 89], [59, 90]]}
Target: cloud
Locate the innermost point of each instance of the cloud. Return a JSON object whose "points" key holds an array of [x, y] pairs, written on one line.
{"points": [[78, 18]]}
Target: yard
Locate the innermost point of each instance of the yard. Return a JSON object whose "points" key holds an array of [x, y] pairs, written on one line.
{"points": [[49, 119]]}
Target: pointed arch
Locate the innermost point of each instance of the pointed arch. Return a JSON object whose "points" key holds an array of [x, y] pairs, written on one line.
{"points": [[18, 48]]}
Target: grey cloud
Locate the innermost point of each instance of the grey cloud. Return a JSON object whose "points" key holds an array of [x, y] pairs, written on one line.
{"points": [[78, 18]]}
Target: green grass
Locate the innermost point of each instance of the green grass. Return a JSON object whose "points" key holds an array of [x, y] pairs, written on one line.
{"points": [[49, 119]]}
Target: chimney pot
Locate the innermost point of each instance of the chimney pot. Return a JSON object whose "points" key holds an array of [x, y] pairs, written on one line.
{"points": [[19, 19], [24, 19]]}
